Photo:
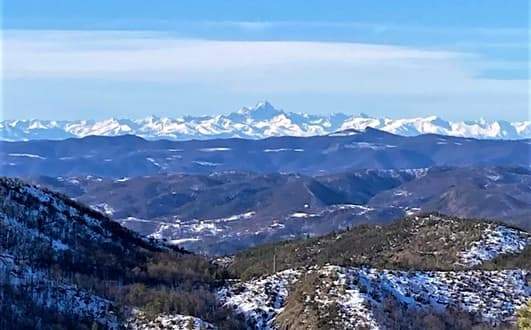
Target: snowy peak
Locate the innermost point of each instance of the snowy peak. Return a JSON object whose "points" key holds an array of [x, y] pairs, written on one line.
{"points": [[256, 122], [261, 111]]}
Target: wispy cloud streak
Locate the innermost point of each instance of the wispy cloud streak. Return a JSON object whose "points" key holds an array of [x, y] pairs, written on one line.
{"points": [[264, 67]]}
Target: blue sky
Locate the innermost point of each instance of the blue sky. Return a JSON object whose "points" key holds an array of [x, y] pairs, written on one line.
{"points": [[95, 59]]}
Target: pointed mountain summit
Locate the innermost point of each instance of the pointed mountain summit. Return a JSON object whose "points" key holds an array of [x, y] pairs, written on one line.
{"points": [[261, 111]]}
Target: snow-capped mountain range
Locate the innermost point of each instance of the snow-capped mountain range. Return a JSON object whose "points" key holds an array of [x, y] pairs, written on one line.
{"points": [[261, 121]]}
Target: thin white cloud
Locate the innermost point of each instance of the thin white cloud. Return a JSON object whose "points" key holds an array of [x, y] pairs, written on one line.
{"points": [[250, 66], [519, 33], [129, 55]]}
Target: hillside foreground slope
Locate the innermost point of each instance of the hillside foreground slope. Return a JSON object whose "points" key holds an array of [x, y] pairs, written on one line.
{"points": [[423, 272], [63, 264]]}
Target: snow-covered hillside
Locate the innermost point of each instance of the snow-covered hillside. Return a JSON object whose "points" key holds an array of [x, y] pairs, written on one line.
{"points": [[64, 264], [262, 120], [259, 301], [470, 291], [54, 293], [353, 298], [139, 321], [495, 240]]}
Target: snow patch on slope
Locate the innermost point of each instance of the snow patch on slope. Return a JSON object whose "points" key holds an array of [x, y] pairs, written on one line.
{"points": [[352, 305], [167, 321], [495, 240], [360, 294], [493, 295], [259, 300], [54, 294], [26, 155]]}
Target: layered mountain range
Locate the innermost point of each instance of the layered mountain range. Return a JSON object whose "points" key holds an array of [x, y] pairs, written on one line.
{"points": [[247, 209], [262, 120], [129, 156]]}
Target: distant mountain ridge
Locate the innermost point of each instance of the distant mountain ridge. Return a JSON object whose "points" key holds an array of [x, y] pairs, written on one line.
{"points": [[261, 121], [129, 155]]}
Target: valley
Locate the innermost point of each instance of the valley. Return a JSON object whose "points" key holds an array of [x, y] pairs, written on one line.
{"points": [[250, 209]]}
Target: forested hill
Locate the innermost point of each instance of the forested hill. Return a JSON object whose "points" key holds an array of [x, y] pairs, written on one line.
{"points": [[63, 264], [424, 272]]}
